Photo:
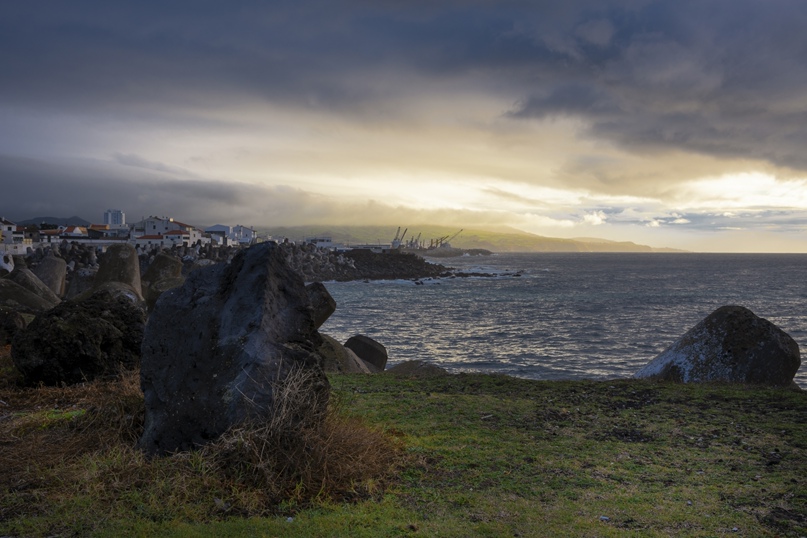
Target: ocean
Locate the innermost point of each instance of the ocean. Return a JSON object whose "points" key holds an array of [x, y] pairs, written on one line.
{"points": [[567, 315]]}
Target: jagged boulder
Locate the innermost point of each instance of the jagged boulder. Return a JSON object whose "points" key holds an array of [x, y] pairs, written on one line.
{"points": [[368, 350], [730, 345], [216, 348], [336, 358], [52, 271], [28, 280], [78, 341], [324, 305], [163, 274], [120, 264]]}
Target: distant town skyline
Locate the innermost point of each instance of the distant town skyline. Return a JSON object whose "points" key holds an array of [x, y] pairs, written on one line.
{"points": [[671, 124]]}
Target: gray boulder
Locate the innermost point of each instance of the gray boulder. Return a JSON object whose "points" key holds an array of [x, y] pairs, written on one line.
{"points": [[368, 350], [120, 264], [28, 280], [336, 358], [731, 345], [417, 368], [163, 274], [15, 297], [80, 341], [324, 305], [53, 272], [216, 348]]}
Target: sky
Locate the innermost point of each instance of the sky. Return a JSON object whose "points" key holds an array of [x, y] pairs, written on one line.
{"points": [[670, 123]]}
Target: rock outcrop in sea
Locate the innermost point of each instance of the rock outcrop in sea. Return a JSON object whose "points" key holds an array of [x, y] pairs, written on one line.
{"points": [[217, 348], [731, 345]]}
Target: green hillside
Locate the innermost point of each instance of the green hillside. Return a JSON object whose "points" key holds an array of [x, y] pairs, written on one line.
{"points": [[502, 240]]}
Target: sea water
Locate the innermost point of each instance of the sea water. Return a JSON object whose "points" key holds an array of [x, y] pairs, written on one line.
{"points": [[567, 315]]}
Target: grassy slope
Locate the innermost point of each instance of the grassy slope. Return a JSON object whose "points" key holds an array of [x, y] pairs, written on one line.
{"points": [[498, 456], [503, 240]]}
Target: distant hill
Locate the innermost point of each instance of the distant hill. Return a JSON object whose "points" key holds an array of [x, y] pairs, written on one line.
{"points": [[61, 221], [502, 240]]}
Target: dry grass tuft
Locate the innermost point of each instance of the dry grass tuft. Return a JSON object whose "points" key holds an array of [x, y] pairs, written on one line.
{"points": [[291, 460], [69, 459]]}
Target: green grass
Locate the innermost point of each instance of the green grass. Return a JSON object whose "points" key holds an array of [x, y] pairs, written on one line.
{"points": [[485, 455]]}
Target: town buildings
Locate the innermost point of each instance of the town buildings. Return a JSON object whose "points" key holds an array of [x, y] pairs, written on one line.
{"points": [[152, 231]]}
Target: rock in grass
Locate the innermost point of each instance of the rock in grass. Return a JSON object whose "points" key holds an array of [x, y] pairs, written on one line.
{"points": [[368, 350], [731, 345], [417, 368], [216, 348], [339, 359]]}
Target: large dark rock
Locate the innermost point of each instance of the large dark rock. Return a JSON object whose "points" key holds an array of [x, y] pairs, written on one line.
{"points": [[53, 272], [80, 341], [730, 345], [336, 358], [216, 349], [368, 350], [321, 301]]}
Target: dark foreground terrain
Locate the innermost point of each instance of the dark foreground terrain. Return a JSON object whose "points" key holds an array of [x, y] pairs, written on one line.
{"points": [[463, 455]]}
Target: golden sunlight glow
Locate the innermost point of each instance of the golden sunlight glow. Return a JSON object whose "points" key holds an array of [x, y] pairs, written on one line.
{"points": [[745, 190]]}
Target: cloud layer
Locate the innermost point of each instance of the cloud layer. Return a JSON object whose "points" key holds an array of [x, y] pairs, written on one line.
{"points": [[666, 122]]}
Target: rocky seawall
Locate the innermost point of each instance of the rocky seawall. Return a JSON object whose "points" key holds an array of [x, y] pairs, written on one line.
{"points": [[321, 265]]}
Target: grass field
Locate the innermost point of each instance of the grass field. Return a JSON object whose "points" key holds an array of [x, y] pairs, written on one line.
{"points": [[461, 455]]}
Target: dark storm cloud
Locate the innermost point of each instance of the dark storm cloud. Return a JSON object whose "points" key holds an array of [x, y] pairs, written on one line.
{"points": [[33, 188], [722, 77]]}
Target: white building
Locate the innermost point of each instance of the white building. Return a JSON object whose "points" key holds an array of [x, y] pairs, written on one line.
{"points": [[240, 235], [115, 218], [173, 231], [7, 230]]}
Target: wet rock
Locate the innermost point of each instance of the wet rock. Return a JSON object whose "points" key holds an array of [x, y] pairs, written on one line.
{"points": [[368, 350], [730, 345], [216, 348], [80, 341]]}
